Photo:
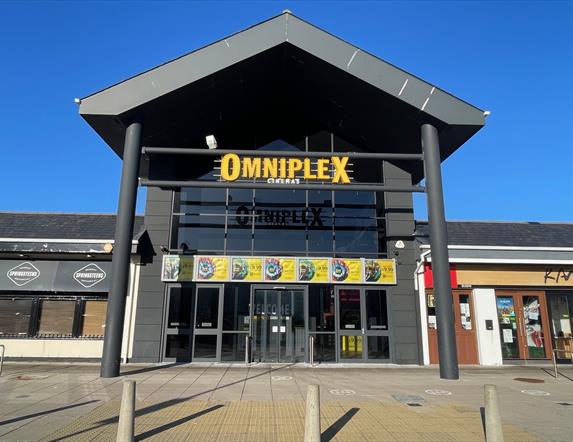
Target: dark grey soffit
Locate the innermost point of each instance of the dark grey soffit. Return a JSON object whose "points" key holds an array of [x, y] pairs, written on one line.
{"points": [[285, 28], [515, 256]]}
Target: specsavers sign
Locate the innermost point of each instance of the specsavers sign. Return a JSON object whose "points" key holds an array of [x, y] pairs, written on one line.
{"points": [[285, 170]]}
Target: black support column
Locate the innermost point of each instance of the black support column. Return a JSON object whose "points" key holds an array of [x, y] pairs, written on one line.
{"points": [[440, 261], [111, 357]]}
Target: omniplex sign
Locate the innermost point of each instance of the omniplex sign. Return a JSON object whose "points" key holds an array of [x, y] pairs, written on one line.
{"points": [[284, 170]]}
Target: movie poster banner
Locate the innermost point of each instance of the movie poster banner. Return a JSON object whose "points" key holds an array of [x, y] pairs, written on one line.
{"points": [[278, 269], [246, 269], [379, 271], [212, 268], [313, 270], [346, 271]]}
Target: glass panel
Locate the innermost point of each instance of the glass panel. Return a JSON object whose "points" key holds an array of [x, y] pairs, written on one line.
{"points": [[236, 314], [465, 312], [561, 314], [240, 220], [378, 347], [507, 327], [15, 317], [355, 222], [195, 200], [179, 308], [351, 347], [321, 308], [205, 346], [376, 311], [431, 304], [349, 301], [93, 324], [233, 347], [177, 346], [207, 307], [533, 327], [57, 319], [202, 233], [324, 347], [320, 222]]}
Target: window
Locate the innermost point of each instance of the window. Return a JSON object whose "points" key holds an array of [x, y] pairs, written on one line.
{"points": [[93, 323], [46, 316], [15, 315], [56, 319]]}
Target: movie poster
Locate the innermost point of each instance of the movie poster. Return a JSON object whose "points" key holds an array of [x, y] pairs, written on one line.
{"points": [[279, 269], [379, 271], [313, 270], [348, 271], [246, 269], [212, 268]]}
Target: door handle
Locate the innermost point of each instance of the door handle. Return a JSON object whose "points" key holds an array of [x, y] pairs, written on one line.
{"points": [[363, 331]]}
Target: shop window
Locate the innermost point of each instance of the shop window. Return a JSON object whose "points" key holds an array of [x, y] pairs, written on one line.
{"points": [[321, 308], [431, 304], [324, 347], [56, 319], [205, 346], [177, 347], [376, 310], [233, 347], [15, 316], [236, 315], [378, 347], [179, 315], [207, 308], [93, 324]]}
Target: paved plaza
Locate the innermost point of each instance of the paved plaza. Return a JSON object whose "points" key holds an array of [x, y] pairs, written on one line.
{"points": [[221, 402]]}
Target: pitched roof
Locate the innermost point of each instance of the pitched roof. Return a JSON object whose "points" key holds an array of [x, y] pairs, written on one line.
{"points": [[271, 73], [495, 233], [66, 226]]}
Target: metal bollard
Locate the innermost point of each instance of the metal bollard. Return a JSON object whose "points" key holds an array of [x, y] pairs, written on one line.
{"points": [[493, 428], [126, 424], [311, 350], [2, 359], [312, 418]]}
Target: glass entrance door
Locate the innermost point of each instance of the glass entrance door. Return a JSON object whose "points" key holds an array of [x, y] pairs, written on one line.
{"points": [[522, 320], [363, 324], [278, 328]]}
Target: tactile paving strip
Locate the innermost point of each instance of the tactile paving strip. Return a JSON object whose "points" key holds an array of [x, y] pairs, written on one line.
{"points": [[266, 421]]}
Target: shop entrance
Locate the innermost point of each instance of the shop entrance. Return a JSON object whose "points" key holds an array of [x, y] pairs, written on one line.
{"points": [[523, 322], [278, 327], [363, 324]]}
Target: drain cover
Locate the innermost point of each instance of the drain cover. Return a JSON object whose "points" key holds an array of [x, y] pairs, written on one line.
{"points": [[436, 392], [536, 392], [409, 399], [530, 380], [342, 392]]}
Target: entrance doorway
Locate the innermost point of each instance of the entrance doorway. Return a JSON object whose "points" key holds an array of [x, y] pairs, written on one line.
{"points": [[561, 315], [363, 324], [278, 327], [522, 318], [466, 343]]}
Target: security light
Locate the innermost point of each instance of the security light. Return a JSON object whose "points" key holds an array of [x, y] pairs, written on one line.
{"points": [[77, 100], [211, 141], [487, 113]]}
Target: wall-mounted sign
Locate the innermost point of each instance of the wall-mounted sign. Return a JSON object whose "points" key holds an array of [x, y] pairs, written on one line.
{"points": [[90, 275], [23, 273], [280, 217], [278, 269], [284, 170]]}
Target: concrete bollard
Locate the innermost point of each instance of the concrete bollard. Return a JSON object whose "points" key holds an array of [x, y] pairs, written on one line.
{"points": [[493, 429], [126, 424], [312, 418]]}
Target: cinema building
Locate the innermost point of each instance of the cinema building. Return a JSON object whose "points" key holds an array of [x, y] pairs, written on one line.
{"points": [[280, 164]]}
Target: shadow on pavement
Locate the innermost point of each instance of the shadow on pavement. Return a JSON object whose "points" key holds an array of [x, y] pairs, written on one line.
{"points": [[176, 423], [333, 430], [42, 413], [148, 369], [552, 373], [170, 402]]}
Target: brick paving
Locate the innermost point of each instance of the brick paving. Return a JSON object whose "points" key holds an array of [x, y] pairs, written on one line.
{"points": [[220, 402]]}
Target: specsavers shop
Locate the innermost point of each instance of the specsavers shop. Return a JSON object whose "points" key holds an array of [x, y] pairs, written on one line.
{"points": [[280, 164]]}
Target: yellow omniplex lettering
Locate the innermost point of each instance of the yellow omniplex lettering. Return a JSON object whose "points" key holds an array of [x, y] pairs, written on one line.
{"points": [[322, 169], [270, 167], [282, 168], [251, 167], [230, 167], [294, 165], [340, 170], [308, 175]]}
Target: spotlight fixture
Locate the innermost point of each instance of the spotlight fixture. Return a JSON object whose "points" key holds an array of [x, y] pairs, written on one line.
{"points": [[211, 141]]}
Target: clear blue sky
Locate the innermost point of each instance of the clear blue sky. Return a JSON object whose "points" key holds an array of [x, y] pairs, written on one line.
{"points": [[512, 58]]}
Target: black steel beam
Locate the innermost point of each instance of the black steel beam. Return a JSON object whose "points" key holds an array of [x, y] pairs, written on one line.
{"points": [[447, 350], [276, 153], [275, 186], [111, 356]]}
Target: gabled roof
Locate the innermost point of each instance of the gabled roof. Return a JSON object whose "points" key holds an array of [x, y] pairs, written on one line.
{"points": [[225, 88], [64, 226], [509, 234]]}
